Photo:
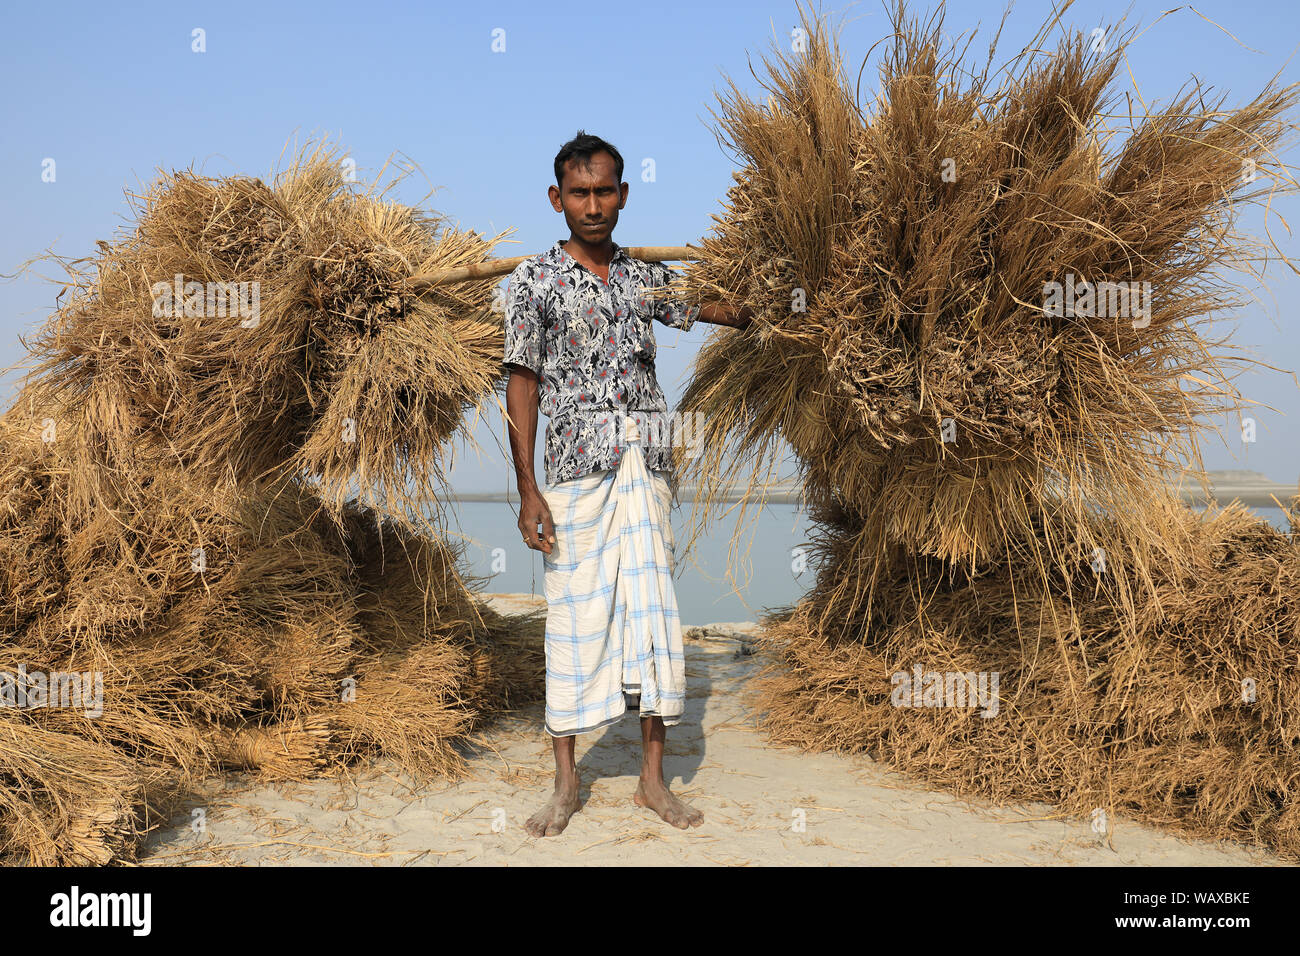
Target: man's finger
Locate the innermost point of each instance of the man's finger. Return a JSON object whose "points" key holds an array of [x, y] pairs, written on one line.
{"points": [[531, 536]]}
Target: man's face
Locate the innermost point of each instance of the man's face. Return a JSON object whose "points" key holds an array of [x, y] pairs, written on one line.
{"points": [[591, 198]]}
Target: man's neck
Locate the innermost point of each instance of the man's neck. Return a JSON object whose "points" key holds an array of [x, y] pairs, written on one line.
{"points": [[598, 256]]}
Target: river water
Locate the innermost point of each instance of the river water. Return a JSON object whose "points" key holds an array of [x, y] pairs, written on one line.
{"points": [[767, 568]]}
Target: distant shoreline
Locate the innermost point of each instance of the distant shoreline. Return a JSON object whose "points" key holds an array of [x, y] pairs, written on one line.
{"points": [[1251, 488]]}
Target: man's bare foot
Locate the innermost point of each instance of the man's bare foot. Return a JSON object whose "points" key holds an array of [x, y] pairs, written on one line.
{"points": [[657, 796], [554, 817]]}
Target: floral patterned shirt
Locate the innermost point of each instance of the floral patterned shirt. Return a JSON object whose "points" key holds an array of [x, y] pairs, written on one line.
{"points": [[593, 348]]}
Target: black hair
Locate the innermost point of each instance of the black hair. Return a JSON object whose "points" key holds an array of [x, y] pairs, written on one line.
{"points": [[581, 148]]}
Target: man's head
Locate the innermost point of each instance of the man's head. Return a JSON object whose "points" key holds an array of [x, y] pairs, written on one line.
{"points": [[589, 190]]}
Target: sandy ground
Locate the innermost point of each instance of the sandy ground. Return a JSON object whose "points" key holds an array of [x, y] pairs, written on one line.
{"points": [[762, 804]]}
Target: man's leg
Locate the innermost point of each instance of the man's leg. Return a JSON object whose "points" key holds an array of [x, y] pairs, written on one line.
{"points": [[651, 790], [554, 817]]}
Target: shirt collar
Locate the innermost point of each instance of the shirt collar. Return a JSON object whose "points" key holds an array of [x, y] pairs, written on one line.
{"points": [[568, 263]]}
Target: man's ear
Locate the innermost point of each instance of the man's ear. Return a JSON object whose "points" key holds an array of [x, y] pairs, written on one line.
{"points": [[623, 190], [553, 193]]}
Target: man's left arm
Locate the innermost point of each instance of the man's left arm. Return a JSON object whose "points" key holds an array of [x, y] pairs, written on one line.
{"points": [[676, 313], [720, 313]]}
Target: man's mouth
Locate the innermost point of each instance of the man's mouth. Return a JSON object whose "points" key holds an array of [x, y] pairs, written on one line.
{"points": [[593, 225]]}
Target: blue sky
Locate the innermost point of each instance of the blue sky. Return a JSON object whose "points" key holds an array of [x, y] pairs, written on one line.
{"points": [[114, 92]]}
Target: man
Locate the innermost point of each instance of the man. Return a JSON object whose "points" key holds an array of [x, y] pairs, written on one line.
{"points": [[580, 348]]}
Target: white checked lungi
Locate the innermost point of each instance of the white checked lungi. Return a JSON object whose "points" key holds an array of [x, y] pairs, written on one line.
{"points": [[613, 634]]}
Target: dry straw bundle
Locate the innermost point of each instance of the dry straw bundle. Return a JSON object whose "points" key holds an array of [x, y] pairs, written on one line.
{"points": [[173, 516], [233, 629], [259, 332], [1190, 722], [987, 475], [897, 259]]}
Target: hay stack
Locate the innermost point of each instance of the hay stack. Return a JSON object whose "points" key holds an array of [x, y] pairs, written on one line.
{"points": [[228, 626], [1190, 722], [1039, 543], [175, 513], [896, 257], [337, 372]]}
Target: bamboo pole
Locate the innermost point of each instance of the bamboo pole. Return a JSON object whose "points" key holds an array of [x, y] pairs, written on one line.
{"points": [[500, 267]]}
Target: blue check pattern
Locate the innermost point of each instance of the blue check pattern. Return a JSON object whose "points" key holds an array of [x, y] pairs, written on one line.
{"points": [[613, 631]]}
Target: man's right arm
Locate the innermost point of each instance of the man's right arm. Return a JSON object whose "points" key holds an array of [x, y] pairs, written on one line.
{"points": [[521, 405], [524, 347]]}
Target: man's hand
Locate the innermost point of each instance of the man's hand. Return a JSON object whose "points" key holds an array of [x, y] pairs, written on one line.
{"points": [[534, 511]]}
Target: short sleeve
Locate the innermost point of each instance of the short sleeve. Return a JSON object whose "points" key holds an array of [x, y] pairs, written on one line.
{"points": [[524, 314], [671, 310]]}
